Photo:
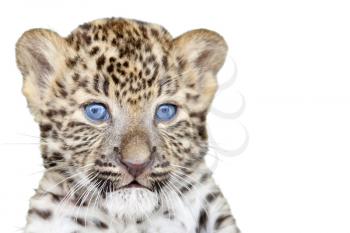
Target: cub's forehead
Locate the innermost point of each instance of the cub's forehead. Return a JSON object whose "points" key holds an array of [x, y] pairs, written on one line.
{"points": [[120, 40], [120, 58]]}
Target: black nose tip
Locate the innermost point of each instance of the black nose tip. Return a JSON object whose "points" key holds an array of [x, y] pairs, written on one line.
{"points": [[135, 169]]}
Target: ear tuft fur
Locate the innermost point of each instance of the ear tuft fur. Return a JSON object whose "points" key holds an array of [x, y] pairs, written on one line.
{"points": [[40, 53], [204, 52], [204, 48]]}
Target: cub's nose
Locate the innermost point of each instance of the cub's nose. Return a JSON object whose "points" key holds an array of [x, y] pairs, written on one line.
{"points": [[135, 152], [135, 169]]}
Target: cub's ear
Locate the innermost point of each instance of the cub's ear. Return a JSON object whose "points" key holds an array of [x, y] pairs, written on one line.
{"points": [[200, 54], [40, 54]]}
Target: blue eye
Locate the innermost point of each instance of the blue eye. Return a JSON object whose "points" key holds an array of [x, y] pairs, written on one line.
{"points": [[96, 112], [166, 112]]}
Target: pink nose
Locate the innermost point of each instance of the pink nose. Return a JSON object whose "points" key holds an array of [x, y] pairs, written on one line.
{"points": [[135, 169]]}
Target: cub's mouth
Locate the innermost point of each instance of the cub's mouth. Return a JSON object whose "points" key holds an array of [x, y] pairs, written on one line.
{"points": [[109, 186], [134, 184]]}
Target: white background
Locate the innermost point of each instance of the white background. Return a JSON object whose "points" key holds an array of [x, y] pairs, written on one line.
{"points": [[293, 62]]}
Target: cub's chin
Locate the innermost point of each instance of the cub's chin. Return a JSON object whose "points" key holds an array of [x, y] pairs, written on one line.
{"points": [[132, 203]]}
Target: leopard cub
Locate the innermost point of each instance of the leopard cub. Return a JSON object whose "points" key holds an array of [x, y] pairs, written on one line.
{"points": [[122, 110]]}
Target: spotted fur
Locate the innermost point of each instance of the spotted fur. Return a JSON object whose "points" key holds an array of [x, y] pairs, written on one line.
{"points": [[131, 67]]}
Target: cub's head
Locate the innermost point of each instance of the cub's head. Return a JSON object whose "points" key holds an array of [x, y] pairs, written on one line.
{"points": [[121, 104]]}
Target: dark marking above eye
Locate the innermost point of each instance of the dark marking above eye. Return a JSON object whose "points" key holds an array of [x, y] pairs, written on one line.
{"points": [[94, 51], [110, 68], [115, 79], [96, 83], [83, 83], [192, 97], [122, 72], [100, 61], [117, 94], [122, 85], [105, 87]]}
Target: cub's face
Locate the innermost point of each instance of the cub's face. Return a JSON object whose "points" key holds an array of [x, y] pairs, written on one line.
{"points": [[121, 104]]}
